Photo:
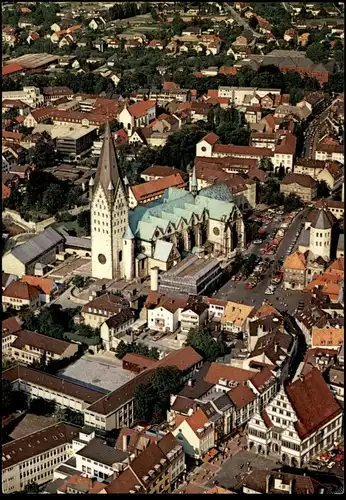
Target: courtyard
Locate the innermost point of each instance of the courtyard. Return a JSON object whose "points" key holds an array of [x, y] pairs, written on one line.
{"points": [[233, 471]]}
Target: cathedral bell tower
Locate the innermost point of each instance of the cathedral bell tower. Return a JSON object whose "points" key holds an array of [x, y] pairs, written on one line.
{"points": [[109, 214]]}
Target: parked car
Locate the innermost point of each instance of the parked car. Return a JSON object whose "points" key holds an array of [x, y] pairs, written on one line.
{"points": [[331, 465]]}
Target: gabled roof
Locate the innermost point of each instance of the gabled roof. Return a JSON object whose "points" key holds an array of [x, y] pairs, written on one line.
{"points": [[37, 245], [312, 402], [295, 261], [21, 290], [157, 186], [45, 285]]}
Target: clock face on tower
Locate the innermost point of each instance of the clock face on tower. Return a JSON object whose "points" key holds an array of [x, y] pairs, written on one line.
{"points": [[102, 259]]}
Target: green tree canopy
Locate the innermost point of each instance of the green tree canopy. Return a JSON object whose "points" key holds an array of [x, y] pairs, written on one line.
{"points": [[292, 202], [202, 341], [323, 190], [152, 400]]}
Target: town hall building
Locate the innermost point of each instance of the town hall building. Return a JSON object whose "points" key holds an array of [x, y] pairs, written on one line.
{"points": [[129, 243]]}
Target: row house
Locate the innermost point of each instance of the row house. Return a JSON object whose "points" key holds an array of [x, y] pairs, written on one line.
{"points": [[101, 308], [283, 153], [27, 347], [329, 151], [37, 384], [33, 458], [300, 422], [158, 469], [92, 457]]}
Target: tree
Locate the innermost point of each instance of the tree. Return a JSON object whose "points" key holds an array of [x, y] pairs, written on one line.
{"points": [[78, 281], [323, 190], [52, 198], [281, 172], [317, 52], [292, 202], [40, 406], [43, 154], [31, 489], [152, 400], [144, 399], [70, 416], [202, 341], [6, 389], [122, 349], [253, 23]]}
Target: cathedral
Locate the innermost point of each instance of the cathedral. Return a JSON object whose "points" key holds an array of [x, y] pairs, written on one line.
{"points": [[129, 243]]}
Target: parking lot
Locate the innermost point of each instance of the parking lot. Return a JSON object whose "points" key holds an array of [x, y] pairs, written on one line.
{"points": [[103, 371], [236, 291]]}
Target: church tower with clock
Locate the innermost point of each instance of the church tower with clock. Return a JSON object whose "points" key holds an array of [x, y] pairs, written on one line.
{"points": [[109, 214]]}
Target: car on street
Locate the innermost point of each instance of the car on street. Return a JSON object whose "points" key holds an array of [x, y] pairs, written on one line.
{"points": [[268, 292], [331, 465]]}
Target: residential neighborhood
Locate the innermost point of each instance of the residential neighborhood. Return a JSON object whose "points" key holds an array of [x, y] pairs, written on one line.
{"points": [[173, 248]]}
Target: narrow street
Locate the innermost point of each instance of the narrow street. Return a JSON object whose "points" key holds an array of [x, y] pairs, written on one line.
{"points": [[240, 20], [315, 131]]}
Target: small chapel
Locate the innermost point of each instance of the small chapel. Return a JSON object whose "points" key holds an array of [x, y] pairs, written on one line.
{"points": [[127, 244]]}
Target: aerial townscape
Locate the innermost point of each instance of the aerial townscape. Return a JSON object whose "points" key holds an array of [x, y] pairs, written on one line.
{"points": [[172, 247]]}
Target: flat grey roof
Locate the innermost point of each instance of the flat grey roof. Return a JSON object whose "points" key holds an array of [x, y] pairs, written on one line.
{"points": [[37, 245], [103, 453]]}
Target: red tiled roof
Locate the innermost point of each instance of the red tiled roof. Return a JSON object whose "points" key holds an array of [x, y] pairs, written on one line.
{"points": [[155, 43], [6, 191], [228, 70], [312, 402], [242, 150], [141, 108], [288, 145], [211, 138], [153, 188], [21, 290], [183, 359], [10, 326], [217, 371], [11, 68], [170, 86], [161, 171], [43, 284], [16, 136], [139, 360], [241, 396]]}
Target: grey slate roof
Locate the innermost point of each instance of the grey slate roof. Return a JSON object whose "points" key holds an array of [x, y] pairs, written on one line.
{"points": [[37, 245], [103, 453], [107, 173], [218, 192], [322, 221]]}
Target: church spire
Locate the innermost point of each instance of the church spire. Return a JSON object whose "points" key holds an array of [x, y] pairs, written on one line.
{"points": [[107, 170], [194, 181]]}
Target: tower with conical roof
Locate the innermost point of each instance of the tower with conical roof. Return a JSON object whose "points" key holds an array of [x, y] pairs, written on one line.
{"points": [[193, 182], [321, 233], [109, 214]]}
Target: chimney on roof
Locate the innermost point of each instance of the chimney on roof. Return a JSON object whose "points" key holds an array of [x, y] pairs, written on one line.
{"points": [[268, 483], [154, 283], [276, 346]]}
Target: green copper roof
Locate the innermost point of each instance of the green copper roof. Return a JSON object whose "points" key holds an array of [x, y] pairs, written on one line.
{"points": [[177, 204]]}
